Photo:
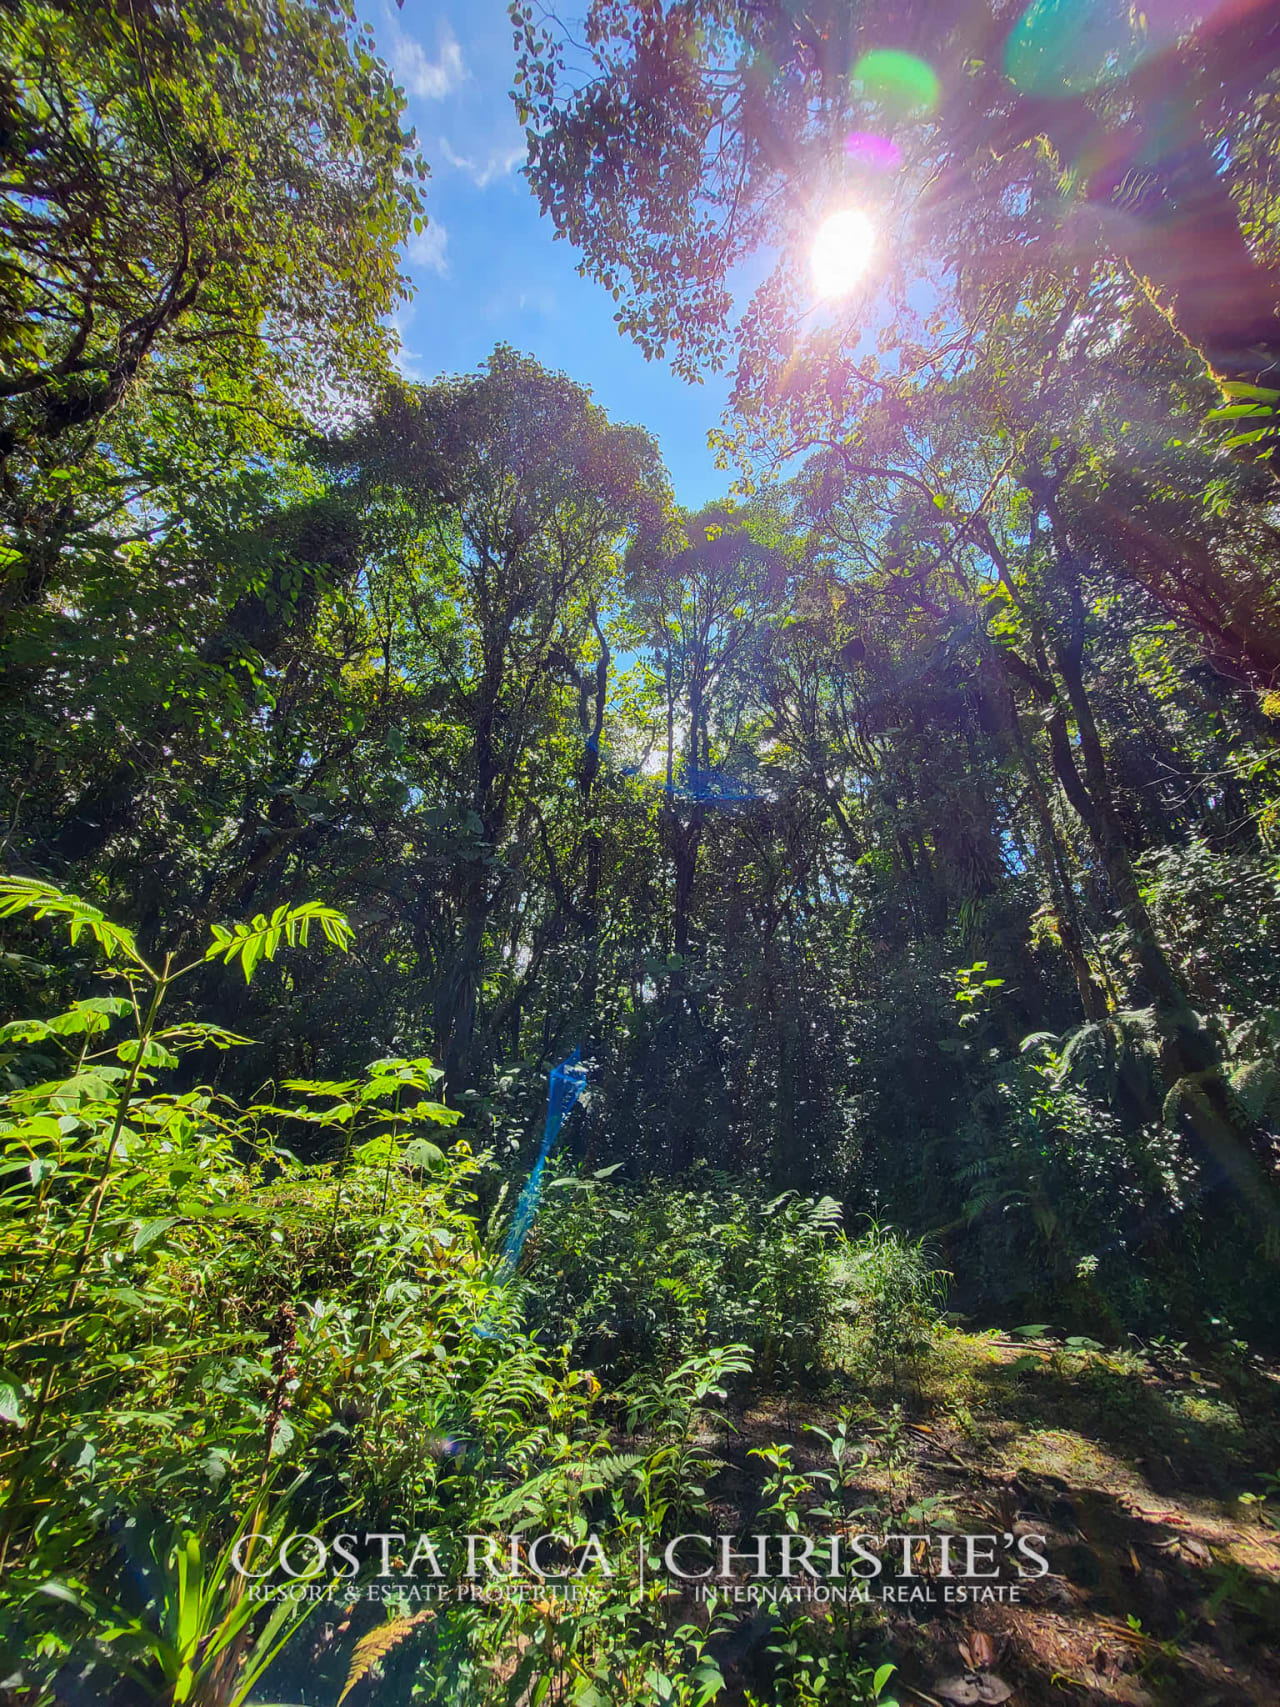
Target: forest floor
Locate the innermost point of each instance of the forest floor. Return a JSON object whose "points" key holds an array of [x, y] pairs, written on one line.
{"points": [[1164, 1586]]}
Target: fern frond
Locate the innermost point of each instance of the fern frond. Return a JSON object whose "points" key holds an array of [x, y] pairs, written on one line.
{"points": [[614, 1466], [376, 1646], [1075, 1043]]}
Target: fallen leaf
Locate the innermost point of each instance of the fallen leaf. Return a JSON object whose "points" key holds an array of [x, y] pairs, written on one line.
{"points": [[983, 1650]]}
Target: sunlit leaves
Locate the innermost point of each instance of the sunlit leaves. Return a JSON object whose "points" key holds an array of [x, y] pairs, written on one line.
{"points": [[149, 1052], [1258, 403], [13, 1399], [260, 939], [44, 901]]}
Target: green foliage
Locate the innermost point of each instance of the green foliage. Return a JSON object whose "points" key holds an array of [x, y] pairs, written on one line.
{"points": [[891, 1294], [45, 900], [261, 938], [186, 1319], [1254, 403], [637, 1278], [195, 1631], [200, 1352], [902, 831], [1217, 909], [715, 95], [199, 236], [822, 1666]]}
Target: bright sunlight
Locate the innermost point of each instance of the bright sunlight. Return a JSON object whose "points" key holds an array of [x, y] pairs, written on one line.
{"points": [[842, 251]]}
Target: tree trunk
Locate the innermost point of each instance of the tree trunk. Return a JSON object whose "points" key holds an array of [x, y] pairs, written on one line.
{"points": [[1200, 1093], [685, 841], [1093, 1001]]}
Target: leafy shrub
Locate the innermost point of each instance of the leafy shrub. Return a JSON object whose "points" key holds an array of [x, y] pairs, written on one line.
{"points": [[639, 1277], [890, 1294], [1216, 913], [205, 1339]]}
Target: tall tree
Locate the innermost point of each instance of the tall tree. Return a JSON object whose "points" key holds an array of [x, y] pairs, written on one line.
{"points": [[508, 496]]}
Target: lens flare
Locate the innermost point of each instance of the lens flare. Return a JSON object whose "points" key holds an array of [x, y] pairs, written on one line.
{"points": [[872, 150], [1067, 47], [1071, 47], [842, 251], [901, 83]]}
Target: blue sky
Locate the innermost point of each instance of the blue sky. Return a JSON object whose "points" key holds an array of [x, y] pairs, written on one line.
{"points": [[486, 270]]}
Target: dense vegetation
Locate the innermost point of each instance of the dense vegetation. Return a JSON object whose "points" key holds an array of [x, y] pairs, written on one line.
{"points": [[897, 838]]}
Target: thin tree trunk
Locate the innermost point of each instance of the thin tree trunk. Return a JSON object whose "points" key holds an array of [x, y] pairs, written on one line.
{"points": [[1093, 1001], [1190, 1057]]}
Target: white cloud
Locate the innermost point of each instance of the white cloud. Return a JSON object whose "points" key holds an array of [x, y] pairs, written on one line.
{"points": [[409, 363], [428, 79], [406, 360], [429, 249], [511, 299], [496, 163]]}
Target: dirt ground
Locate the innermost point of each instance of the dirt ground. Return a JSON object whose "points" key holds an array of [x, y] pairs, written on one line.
{"points": [[1164, 1585]]}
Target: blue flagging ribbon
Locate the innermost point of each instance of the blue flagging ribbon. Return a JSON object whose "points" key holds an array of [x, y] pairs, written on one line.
{"points": [[565, 1084]]}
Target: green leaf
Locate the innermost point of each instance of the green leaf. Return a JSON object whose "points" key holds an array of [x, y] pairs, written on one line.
{"points": [[153, 1054], [12, 1399], [1236, 411], [25, 1031], [282, 1439], [79, 1020], [193, 1034], [1253, 438], [422, 1153], [710, 1679], [130, 1300], [59, 1591], [434, 1111], [1238, 388], [150, 1231]]}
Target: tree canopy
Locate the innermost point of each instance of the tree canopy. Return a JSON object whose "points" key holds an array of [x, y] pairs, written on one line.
{"points": [[1005, 148], [199, 224]]}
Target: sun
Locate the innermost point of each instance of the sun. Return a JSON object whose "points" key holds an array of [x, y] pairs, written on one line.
{"points": [[842, 251]]}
